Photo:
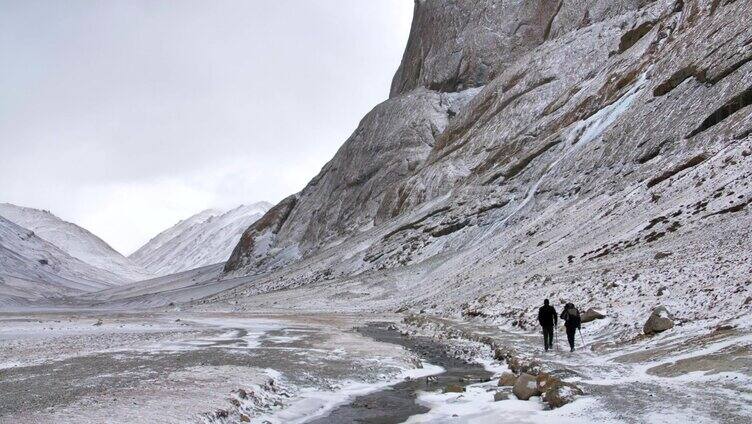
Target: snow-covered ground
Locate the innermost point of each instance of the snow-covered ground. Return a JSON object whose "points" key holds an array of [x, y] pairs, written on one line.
{"points": [[276, 367], [675, 377], [80, 367]]}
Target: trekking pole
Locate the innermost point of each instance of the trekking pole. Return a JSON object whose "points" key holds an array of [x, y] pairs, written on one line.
{"points": [[556, 338], [581, 338]]}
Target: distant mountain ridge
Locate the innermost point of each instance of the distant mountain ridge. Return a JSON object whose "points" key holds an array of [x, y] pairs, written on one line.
{"points": [[75, 241], [33, 269], [43, 257], [203, 239]]}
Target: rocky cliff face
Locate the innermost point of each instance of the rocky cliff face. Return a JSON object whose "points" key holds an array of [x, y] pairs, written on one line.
{"points": [[389, 145], [565, 147], [459, 44]]}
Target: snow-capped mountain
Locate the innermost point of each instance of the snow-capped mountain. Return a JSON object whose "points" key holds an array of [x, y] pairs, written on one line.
{"points": [[203, 239], [32, 268], [147, 250], [75, 241]]}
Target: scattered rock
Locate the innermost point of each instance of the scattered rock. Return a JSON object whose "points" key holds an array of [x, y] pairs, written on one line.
{"points": [[502, 353], [507, 379], [660, 320], [561, 394], [454, 388], [725, 327], [472, 313], [500, 396], [545, 381], [519, 366], [473, 379], [662, 255], [591, 315], [525, 387], [244, 418], [98, 323]]}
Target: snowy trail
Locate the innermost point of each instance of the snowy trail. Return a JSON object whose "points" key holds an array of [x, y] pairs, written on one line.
{"points": [[622, 385]]}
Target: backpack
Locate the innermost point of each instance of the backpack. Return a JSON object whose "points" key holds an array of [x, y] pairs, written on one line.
{"points": [[571, 313]]}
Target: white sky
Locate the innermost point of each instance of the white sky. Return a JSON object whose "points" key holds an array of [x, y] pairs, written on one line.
{"points": [[126, 116]]}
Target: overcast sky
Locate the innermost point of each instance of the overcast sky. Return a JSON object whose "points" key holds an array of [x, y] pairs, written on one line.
{"points": [[126, 116]]}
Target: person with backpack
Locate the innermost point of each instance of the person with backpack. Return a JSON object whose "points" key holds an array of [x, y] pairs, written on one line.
{"points": [[548, 319], [572, 322]]}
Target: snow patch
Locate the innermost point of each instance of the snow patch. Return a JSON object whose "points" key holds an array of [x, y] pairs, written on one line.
{"points": [[315, 403]]}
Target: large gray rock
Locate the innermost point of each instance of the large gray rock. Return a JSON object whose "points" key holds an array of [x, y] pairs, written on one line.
{"points": [[591, 315], [525, 387], [660, 320], [507, 379]]}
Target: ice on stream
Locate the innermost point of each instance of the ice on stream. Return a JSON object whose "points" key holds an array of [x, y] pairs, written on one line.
{"points": [[313, 403]]}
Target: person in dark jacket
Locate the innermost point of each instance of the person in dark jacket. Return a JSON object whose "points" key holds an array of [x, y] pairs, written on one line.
{"points": [[572, 322], [548, 319]]}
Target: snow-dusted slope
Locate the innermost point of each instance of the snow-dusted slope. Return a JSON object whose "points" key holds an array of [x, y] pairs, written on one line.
{"points": [[598, 152], [148, 250], [32, 269], [203, 239], [75, 241]]}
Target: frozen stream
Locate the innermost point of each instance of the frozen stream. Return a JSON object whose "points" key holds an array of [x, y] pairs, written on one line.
{"points": [[178, 368]]}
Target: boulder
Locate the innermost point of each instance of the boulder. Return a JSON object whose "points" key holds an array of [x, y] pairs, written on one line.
{"points": [[454, 388], [660, 320], [507, 379], [525, 387], [519, 365], [561, 394], [591, 315], [500, 396], [545, 381]]}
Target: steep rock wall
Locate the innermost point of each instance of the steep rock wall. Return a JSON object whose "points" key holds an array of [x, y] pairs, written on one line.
{"points": [[606, 163]]}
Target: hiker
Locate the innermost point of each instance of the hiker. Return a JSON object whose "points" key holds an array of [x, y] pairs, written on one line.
{"points": [[571, 317], [548, 319]]}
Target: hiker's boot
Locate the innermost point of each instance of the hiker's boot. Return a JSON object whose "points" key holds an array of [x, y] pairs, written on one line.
{"points": [[571, 349]]}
